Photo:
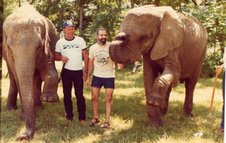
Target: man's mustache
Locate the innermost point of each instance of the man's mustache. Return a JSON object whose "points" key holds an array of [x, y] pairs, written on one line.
{"points": [[103, 39]]}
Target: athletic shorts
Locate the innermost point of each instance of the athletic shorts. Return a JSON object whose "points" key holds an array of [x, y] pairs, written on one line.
{"points": [[106, 82]]}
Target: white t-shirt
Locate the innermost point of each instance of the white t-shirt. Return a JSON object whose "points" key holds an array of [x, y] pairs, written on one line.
{"points": [[73, 50], [103, 65]]}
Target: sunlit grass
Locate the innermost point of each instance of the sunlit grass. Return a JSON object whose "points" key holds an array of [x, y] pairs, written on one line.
{"points": [[128, 118]]}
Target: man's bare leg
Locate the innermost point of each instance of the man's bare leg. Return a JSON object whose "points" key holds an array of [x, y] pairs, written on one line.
{"points": [[108, 96], [95, 95]]}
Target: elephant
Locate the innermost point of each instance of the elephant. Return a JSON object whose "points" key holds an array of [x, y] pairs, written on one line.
{"points": [[173, 47], [28, 45]]}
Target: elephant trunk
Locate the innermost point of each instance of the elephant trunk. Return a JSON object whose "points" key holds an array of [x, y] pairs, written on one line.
{"points": [[50, 83], [24, 72], [118, 51]]}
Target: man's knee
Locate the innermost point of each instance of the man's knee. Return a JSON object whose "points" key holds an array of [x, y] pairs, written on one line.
{"points": [[109, 98], [94, 98]]}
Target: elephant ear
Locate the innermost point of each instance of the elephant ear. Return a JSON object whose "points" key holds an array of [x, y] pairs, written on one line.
{"points": [[52, 35], [50, 39], [47, 40], [170, 37]]}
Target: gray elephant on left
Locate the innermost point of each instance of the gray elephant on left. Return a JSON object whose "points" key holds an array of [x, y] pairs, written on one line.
{"points": [[28, 45]]}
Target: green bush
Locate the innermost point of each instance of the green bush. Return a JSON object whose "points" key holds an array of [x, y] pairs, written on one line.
{"points": [[212, 60]]}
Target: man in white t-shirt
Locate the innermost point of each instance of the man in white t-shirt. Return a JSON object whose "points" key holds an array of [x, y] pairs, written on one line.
{"points": [[103, 75], [70, 50]]}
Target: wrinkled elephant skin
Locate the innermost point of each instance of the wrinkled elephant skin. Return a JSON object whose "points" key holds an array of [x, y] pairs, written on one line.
{"points": [[173, 47], [28, 44]]}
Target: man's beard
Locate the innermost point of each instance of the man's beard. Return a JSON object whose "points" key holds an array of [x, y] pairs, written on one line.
{"points": [[102, 41]]}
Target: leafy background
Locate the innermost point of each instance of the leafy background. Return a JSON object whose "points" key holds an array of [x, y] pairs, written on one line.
{"points": [[91, 14], [129, 111]]}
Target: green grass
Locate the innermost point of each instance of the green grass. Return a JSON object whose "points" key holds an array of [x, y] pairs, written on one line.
{"points": [[128, 118]]}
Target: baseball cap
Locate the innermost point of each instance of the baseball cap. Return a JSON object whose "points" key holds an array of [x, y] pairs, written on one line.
{"points": [[68, 23]]}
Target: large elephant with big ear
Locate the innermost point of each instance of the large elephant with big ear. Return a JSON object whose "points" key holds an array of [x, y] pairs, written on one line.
{"points": [[173, 47], [28, 45]]}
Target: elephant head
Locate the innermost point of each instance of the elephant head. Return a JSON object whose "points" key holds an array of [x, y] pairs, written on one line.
{"points": [[28, 42], [147, 30], [167, 40]]}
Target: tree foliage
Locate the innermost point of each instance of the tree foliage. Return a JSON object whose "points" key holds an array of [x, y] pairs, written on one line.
{"points": [[106, 15], [212, 15], [91, 14]]}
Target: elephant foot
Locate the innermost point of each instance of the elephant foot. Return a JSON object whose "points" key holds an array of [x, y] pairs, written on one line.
{"points": [[38, 105], [24, 136], [188, 111], [49, 97], [164, 110], [11, 107], [155, 123], [188, 114], [154, 101], [38, 108]]}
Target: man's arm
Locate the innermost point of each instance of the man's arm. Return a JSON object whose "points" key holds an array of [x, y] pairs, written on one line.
{"points": [[219, 69], [86, 59], [90, 69], [59, 57]]}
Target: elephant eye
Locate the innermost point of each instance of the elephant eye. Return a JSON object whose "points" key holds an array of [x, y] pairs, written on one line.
{"points": [[121, 37]]}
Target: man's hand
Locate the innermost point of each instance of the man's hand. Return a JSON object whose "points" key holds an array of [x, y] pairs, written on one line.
{"points": [[85, 75], [64, 59], [219, 69], [59, 57], [88, 81]]}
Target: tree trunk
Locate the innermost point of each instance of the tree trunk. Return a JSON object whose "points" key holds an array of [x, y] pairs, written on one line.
{"points": [[157, 2], [81, 10], [132, 3], [19, 3]]}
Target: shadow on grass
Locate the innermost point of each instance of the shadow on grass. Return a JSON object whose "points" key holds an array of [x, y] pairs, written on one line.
{"points": [[128, 119], [10, 122], [176, 125], [51, 125]]}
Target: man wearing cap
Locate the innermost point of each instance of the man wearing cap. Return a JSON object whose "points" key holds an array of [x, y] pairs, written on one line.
{"points": [[71, 50]]}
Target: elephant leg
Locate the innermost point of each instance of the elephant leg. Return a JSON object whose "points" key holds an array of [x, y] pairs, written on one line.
{"points": [[12, 95], [168, 79], [165, 107], [37, 82], [161, 91], [188, 104], [49, 93], [153, 112], [149, 78], [154, 116]]}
